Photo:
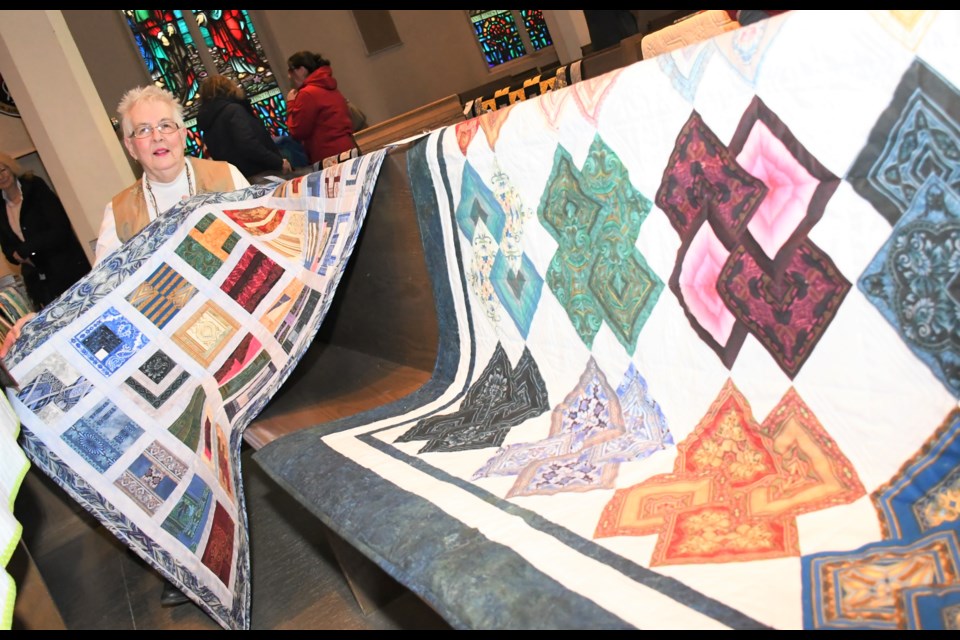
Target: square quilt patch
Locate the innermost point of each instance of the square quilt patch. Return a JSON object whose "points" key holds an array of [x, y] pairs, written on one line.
{"points": [[152, 477], [102, 435], [109, 341], [157, 379], [206, 333], [162, 295]]}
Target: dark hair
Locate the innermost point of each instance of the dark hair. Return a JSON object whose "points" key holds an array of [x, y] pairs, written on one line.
{"points": [[216, 86], [311, 61]]}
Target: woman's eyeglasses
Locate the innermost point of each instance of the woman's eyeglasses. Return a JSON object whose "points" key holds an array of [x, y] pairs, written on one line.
{"points": [[165, 127]]}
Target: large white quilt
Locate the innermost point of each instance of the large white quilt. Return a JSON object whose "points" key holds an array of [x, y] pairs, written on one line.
{"points": [[700, 351]]}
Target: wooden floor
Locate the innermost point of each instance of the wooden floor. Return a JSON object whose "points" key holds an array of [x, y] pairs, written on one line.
{"points": [[97, 583]]}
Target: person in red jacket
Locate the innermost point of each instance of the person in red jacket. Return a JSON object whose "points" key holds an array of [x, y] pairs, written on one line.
{"points": [[318, 115]]}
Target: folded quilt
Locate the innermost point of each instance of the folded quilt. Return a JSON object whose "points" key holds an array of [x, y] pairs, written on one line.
{"points": [[136, 384]]}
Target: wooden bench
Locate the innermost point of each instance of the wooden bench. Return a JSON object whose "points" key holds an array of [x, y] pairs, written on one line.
{"points": [[378, 342], [430, 116]]}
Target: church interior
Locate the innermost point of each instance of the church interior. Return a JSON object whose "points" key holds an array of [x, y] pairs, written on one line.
{"points": [[641, 319]]}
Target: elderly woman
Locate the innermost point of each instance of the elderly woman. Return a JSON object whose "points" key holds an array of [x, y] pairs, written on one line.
{"points": [[154, 135], [36, 234]]}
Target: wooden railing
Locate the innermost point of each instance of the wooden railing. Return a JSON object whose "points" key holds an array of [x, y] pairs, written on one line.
{"points": [[438, 113]]}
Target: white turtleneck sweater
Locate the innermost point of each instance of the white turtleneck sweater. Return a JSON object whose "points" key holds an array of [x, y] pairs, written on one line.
{"points": [[167, 194]]}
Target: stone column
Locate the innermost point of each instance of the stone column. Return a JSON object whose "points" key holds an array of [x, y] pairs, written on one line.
{"points": [[569, 30], [63, 115]]}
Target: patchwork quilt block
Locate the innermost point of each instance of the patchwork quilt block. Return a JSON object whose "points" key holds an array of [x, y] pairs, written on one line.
{"points": [[762, 446], [137, 383], [910, 578]]}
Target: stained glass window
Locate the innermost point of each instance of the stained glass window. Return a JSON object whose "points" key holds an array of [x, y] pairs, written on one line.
{"points": [[232, 40], [7, 105], [272, 109], [536, 28], [168, 48], [500, 37], [195, 146]]}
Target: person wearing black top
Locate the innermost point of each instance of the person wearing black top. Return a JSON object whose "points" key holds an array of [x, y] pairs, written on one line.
{"points": [[232, 132], [607, 27], [36, 234]]}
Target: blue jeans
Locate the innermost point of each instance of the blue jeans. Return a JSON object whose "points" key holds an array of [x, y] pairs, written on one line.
{"points": [[292, 150]]}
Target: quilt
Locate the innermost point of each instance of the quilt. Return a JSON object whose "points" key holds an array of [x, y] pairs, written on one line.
{"points": [[687, 31], [699, 359], [136, 384], [13, 468]]}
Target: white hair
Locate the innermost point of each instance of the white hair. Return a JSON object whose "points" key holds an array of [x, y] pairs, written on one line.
{"points": [[148, 93]]}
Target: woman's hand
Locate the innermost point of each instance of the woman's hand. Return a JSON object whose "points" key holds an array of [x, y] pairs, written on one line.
{"points": [[287, 168], [291, 95], [14, 333]]}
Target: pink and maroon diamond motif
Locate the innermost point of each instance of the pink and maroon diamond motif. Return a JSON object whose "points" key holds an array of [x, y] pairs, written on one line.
{"points": [[787, 313], [743, 213]]}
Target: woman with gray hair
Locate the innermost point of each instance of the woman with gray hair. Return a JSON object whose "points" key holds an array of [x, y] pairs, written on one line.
{"points": [[154, 135], [36, 234]]}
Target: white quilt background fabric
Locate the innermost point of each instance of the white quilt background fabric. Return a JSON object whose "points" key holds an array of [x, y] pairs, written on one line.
{"points": [[667, 412]]}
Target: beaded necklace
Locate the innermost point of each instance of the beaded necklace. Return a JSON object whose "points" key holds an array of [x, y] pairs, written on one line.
{"points": [[153, 198]]}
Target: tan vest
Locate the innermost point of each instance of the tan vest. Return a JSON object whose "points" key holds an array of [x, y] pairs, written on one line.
{"points": [[130, 205]]}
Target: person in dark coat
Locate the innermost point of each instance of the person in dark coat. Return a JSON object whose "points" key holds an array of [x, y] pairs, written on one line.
{"points": [[232, 132], [607, 27], [36, 234]]}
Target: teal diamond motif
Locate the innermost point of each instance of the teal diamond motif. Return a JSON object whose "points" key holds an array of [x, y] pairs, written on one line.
{"points": [[514, 278], [566, 211], [624, 289], [597, 273], [518, 291], [478, 203]]}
